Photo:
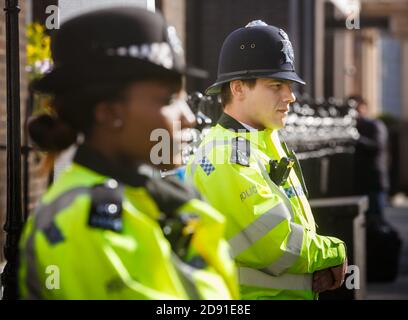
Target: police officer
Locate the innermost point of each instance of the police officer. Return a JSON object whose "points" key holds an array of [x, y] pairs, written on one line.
{"points": [[244, 171], [105, 229]]}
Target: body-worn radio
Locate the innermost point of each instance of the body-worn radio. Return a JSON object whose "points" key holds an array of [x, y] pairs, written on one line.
{"points": [[279, 171]]}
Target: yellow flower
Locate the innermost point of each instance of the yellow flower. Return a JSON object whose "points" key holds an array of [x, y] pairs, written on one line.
{"points": [[38, 49]]}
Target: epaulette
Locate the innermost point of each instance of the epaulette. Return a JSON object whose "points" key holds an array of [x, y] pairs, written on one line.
{"points": [[106, 206], [241, 151], [170, 193]]}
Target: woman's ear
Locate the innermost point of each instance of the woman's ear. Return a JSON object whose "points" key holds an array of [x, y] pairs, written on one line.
{"points": [[109, 115]]}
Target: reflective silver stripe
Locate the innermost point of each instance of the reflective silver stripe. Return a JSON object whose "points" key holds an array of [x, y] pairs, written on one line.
{"points": [[44, 216], [291, 253], [204, 151], [258, 229], [45, 212], [247, 237], [257, 278], [295, 241], [32, 280], [185, 273]]}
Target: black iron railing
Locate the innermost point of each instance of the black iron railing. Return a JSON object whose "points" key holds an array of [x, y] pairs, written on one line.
{"points": [[14, 216]]}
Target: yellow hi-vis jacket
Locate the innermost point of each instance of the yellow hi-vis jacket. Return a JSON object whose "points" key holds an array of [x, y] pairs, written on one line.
{"points": [[96, 235], [270, 228]]}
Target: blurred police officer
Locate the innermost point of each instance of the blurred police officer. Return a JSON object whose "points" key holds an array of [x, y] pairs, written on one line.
{"points": [[104, 229], [244, 170]]}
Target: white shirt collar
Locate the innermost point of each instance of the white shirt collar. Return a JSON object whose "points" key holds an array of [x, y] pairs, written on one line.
{"points": [[248, 127]]}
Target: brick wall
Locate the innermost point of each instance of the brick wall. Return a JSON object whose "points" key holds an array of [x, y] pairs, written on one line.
{"points": [[37, 183]]}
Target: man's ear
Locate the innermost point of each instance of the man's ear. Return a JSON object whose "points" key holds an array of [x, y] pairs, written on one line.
{"points": [[237, 88]]}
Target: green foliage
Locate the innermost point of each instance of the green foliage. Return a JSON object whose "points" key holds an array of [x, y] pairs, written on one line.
{"points": [[388, 119], [38, 51]]}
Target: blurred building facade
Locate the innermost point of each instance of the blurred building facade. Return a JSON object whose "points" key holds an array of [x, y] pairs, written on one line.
{"points": [[372, 60]]}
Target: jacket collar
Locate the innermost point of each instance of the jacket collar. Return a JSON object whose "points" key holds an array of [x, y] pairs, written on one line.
{"points": [[258, 137], [92, 159], [262, 138], [228, 122]]}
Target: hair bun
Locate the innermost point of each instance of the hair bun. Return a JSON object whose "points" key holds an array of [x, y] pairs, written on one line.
{"points": [[50, 133]]}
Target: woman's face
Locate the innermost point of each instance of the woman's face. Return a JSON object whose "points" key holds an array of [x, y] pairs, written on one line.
{"points": [[153, 116]]}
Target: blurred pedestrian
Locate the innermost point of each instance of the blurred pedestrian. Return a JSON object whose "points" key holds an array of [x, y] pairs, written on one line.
{"points": [[371, 163], [244, 170], [105, 229], [383, 243]]}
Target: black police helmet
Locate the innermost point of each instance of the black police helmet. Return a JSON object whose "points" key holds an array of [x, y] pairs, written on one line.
{"points": [[256, 51], [109, 45]]}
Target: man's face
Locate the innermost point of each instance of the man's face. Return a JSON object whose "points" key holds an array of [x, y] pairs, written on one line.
{"points": [[149, 106], [267, 104], [362, 109]]}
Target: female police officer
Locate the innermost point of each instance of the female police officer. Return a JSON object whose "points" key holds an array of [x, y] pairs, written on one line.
{"points": [[104, 230]]}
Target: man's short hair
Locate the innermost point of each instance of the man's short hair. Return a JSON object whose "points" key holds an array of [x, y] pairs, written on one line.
{"points": [[226, 95], [358, 99]]}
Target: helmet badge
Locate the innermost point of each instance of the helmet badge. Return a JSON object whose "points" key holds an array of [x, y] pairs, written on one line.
{"points": [[287, 48], [256, 23]]}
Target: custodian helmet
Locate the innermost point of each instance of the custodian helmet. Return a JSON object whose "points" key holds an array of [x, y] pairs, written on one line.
{"points": [[256, 51], [109, 45]]}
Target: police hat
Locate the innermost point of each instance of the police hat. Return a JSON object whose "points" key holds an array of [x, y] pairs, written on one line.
{"points": [[109, 45], [256, 51]]}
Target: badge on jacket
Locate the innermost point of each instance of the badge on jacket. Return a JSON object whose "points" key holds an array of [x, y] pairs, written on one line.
{"points": [[106, 207], [241, 151]]}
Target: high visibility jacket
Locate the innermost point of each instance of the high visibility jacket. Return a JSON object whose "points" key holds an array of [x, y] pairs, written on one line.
{"points": [[270, 228], [105, 233]]}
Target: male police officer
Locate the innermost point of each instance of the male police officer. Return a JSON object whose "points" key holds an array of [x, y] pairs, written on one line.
{"points": [[244, 171]]}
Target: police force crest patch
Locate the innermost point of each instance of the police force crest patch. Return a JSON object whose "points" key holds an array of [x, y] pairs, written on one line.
{"points": [[287, 48]]}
